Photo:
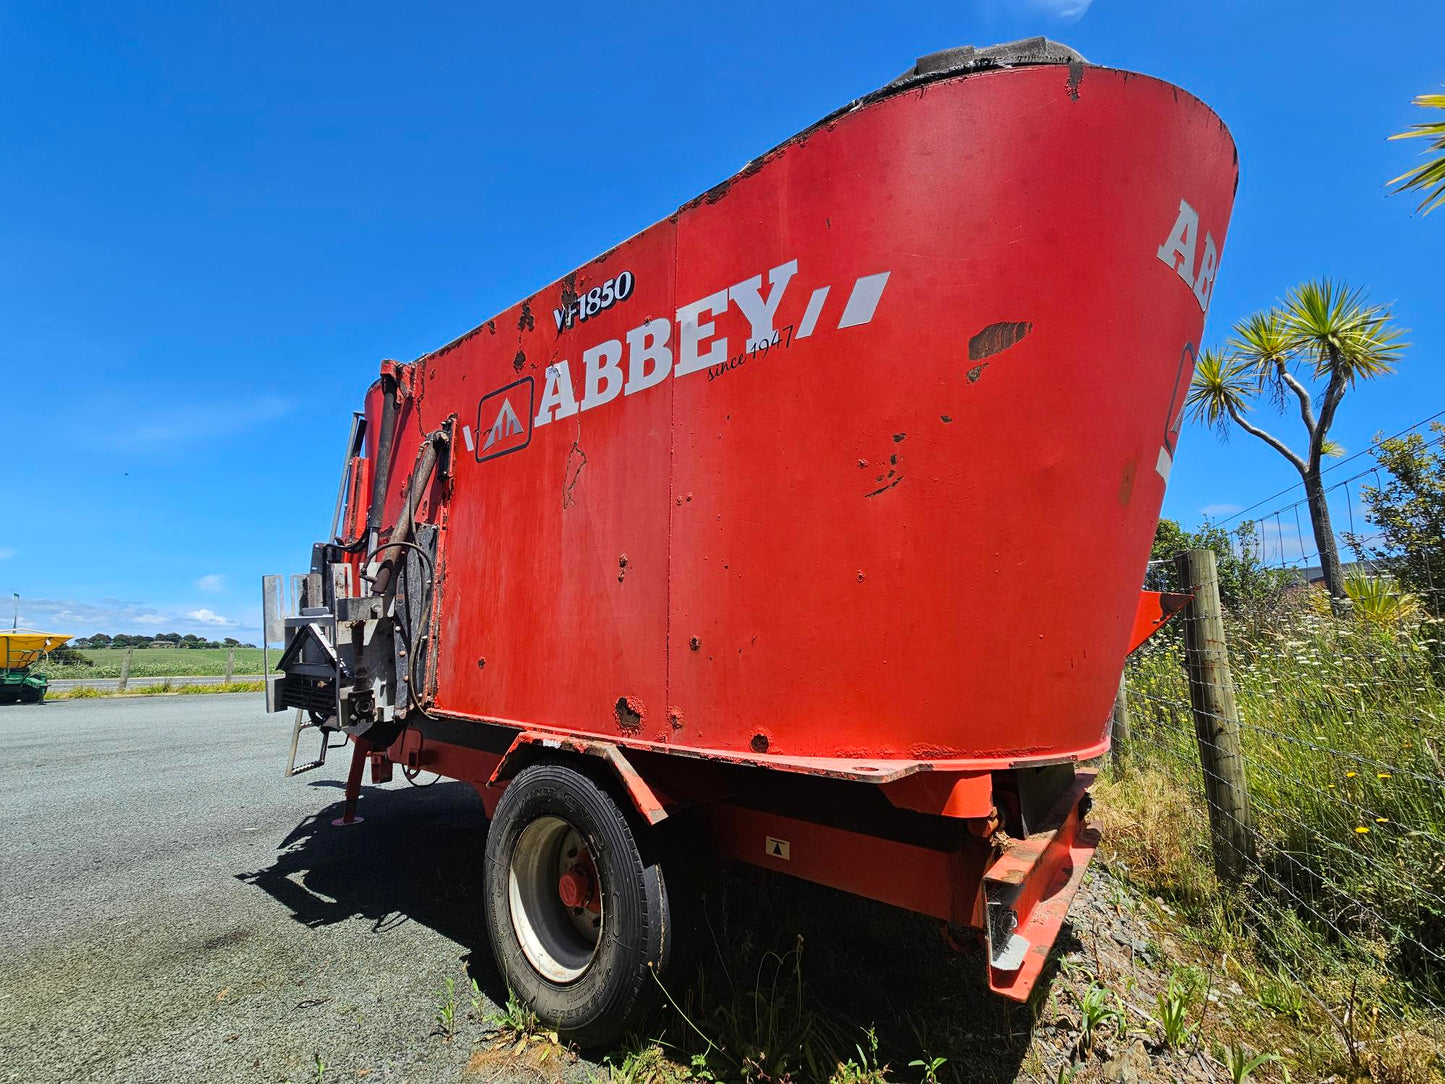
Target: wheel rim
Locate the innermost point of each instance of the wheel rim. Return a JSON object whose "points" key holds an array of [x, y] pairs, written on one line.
{"points": [[555, 897]]}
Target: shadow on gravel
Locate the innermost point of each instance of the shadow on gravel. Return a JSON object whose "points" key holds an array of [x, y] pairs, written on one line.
{"points": [[787, 974], [415, 857]]}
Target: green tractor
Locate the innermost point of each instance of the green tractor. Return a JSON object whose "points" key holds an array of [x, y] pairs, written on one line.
{"points": [[23, 652]]}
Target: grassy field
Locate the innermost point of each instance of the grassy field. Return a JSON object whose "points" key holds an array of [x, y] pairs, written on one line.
{"points": [[1325, 965], [87, 692], [1344, 746], [1341, 920], [161, 662]]}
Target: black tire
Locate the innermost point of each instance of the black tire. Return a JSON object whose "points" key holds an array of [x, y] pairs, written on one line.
{"points": [[603, 994], [31, 695]]}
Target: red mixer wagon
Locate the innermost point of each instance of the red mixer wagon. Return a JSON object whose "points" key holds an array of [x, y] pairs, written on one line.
{"points": [[804, 528]]}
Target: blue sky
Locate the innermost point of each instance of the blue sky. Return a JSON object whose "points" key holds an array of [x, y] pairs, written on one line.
{"points": [[215, 220]]}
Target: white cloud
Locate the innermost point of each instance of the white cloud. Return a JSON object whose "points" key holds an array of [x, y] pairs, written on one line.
{"points": [[117, 615], [1070, 11], [6, 553], [210, 617], [1213, 510], [214, 583], [108, 615]]}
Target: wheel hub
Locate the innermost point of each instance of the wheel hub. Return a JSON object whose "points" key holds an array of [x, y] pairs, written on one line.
{"points": [[575, 888], [556, 899]]}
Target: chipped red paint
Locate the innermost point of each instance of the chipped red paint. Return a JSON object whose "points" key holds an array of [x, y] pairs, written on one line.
{"points": [[972, 590], [530, 746], [900, 544], [1039, 877]]}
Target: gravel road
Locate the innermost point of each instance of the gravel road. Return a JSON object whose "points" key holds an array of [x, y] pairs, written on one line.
{"points": [[175, 910]]}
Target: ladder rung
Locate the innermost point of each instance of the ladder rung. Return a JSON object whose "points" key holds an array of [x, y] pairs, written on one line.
{"points": [[304, 722]]}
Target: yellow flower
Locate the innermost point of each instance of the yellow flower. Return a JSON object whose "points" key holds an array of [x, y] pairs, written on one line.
{"points": [[1331, 786], [1362, 830], [1384, 775], [1381, 820], [1351, 775]]}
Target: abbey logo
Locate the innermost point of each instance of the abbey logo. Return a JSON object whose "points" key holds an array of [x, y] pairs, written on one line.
{"points": [[504, 421], [753, 320], [1181, 251]]}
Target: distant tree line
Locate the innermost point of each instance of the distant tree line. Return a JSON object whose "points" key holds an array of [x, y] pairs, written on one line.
{"points": [[1403, 558], [1407, 508], [164, 639], [1244, 579]]}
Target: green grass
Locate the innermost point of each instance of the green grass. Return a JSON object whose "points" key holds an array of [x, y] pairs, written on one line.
{"points": [[88, 692], [1343, 739], [798, 984], [161, 662]]}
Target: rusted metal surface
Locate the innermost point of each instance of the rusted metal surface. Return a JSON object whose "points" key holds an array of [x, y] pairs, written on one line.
{"points": [[867, 769], [769, 610], [528, 745], [1027, 891], [797, 479]]}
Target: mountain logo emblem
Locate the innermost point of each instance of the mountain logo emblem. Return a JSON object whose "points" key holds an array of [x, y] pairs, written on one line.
{"points": [[504, 420], [505, 426]]}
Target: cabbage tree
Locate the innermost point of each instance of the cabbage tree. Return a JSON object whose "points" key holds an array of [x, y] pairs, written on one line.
{"points": [[1304, 353], [1429, 176]]}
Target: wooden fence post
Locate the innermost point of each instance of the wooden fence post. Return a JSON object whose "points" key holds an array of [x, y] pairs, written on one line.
{"points": [[230, 665], [1216, 716], [1119, 737], [125, 670]]}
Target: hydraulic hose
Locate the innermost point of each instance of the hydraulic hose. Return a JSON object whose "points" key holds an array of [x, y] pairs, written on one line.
{"points": [[382, 474], [389, 552], [408, 640], [386, 555]]}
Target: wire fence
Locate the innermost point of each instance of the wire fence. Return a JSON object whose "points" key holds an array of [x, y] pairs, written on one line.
{"points": [[1279, 530], [1294, 753]]}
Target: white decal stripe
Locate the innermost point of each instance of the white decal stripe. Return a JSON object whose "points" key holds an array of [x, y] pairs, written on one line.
{"points": [[863, 300], [1164, 464], [815, 309], [467, 436]]}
